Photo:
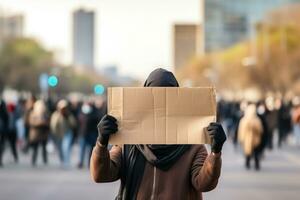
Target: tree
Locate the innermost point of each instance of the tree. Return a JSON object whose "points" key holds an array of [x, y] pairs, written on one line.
{"points": [[273, 66], [21, 62]]}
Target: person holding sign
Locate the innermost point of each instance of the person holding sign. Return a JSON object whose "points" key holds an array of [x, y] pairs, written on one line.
{"points": [[157, 171]]}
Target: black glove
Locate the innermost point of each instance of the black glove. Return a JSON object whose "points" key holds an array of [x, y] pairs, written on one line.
{"points": [[218, 136], [107, 126]]}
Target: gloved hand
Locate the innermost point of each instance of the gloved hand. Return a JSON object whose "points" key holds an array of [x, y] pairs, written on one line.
{"points": [[218, 136], [107, 126]]}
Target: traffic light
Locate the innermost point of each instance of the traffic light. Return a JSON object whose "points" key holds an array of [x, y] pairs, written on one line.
{"points": [[99, 89], [53, 81]]}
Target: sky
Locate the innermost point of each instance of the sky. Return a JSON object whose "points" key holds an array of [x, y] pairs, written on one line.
{"points": [[135, 35]]}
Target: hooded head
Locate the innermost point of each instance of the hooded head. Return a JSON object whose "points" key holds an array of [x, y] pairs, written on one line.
{"points": [[161, 78]]}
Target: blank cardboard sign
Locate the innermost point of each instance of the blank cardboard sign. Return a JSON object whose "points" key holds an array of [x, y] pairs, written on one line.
{"points": [[161, 115]]}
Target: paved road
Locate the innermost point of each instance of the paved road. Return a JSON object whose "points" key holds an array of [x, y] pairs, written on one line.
{"points": [[279, 179]]}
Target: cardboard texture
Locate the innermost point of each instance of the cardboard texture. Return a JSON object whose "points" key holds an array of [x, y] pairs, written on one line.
{"points": [[161, 115]]}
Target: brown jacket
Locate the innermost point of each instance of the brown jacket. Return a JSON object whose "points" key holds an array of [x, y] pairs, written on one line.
{"points": [[39, 128], [250, 130], [195, 172]]}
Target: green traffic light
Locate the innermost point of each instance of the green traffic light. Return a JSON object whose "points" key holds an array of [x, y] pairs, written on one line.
{"points": [[99, 89], [53, 81]]}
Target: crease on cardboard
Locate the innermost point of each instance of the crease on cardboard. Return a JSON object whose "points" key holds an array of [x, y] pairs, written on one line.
{"points": [[178, 129], [154, 114]]}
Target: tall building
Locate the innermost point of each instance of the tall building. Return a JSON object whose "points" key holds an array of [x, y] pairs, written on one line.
{"points": [[11, 26], [186, 41], [231, 21], [83, 38]]}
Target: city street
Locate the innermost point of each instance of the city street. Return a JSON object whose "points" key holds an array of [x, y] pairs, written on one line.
{"points": [[149, 72], [278, 179]]}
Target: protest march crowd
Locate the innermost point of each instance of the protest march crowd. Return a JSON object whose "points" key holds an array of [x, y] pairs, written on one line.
{"points": [[256, 126], [29, 124]]}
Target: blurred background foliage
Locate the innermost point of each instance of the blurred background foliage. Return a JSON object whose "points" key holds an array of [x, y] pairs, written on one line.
{"points": [[268, 62], [22, 60]]}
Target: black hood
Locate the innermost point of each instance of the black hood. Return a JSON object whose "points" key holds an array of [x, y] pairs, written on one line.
{"points": [[161, 78]]}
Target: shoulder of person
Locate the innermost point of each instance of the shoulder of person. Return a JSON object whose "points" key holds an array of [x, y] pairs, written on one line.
{"points": [[196, 148]]}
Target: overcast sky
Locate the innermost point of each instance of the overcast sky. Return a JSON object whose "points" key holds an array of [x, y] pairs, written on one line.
{"points": [[135, 35]]}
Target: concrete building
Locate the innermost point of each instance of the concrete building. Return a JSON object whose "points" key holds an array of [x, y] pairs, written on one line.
{"points": [[187, 42], [11, 26], [83, 38], [229, 22]]}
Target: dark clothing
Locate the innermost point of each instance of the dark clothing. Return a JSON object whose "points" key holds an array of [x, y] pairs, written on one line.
{"points": [[264, 136], [256, 156], [11, 137], [194, 172], [271, 119], [7, 131], [284, 123], [35, 146], [3, 117], [161, 78], [162, 157], [88, 131]]}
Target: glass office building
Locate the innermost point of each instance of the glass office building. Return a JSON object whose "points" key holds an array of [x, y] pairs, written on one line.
{"points": [[227, 22]]}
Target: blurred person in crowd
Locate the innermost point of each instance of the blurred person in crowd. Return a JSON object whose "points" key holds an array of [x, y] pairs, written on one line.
{"points": [[237, 114], [261, 113], [88, 120], [284, 121], [62, 126], [50, 104], [3, 127], [75, 107], [12, 129], [20, 110], [240, 110], [179, 171], [271, 119], [249, 134], [296, 121], [39, 120], [28, 108]]}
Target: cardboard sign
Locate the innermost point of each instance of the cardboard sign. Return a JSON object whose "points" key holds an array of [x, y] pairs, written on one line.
{"points": [[161, 115]]}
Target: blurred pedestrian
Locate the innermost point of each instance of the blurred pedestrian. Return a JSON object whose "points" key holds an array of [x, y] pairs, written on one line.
{"points": [[62, 125], [74, 108], [271, 119], [39, 120], [296, 123], [20, 125], [3, 127], [261, 113], [249, 134], [88, 120], [12, 129], [28, 109], [183, 171], [284, 122]]}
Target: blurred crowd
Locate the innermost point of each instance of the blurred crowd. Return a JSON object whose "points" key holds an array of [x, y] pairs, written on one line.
{"points": [[257, 126], [30, 125]]}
